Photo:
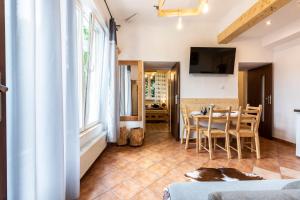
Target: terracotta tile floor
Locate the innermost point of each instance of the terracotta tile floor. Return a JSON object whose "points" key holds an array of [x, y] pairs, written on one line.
{"points": [[143, 172]]}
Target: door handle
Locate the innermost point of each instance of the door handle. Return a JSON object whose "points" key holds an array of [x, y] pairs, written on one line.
{"points": [[269, 99], [3, 88]]}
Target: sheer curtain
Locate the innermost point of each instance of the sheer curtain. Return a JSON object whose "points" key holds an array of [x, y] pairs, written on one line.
{"points": [[43, 127]]}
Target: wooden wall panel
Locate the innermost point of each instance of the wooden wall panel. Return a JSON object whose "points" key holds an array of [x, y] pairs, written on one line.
{"points": [[195, 104]]}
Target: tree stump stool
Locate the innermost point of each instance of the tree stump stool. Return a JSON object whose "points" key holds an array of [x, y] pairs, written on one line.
{"points": [[123, 137], [136, 137]]}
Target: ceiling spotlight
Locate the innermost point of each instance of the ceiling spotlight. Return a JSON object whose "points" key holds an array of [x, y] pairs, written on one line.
{"points": [[179, 23], [205, 7], [268, 23]]}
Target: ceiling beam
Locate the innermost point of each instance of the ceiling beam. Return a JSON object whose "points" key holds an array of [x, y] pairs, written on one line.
{"points": [[259, 11]]}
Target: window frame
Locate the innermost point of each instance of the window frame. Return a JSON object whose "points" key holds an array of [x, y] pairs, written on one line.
{"points": [[93, 19], [88, 126]]}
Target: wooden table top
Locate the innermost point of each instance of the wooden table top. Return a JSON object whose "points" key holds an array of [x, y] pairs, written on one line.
{"points": [[221, 117]]}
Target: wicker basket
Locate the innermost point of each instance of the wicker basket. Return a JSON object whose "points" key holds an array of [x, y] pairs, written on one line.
{"points": [[136, 137], [123, 137]]}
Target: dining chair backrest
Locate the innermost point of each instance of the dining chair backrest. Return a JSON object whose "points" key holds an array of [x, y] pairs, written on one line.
{"points": [[250, 115], [221, 116], [185, 116]]}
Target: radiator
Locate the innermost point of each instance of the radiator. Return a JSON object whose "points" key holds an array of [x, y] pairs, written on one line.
{"points": [[92, 143]]}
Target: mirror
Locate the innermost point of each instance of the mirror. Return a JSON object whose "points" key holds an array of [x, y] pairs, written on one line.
{"points": [[130, 90]]}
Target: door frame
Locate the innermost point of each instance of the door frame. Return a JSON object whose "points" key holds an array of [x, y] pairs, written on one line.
{"points": [[268, 125], [175, 129], [3, 150], [169, 67]]}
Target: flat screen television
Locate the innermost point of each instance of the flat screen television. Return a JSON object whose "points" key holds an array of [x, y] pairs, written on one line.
{"points": [[212, 60]]}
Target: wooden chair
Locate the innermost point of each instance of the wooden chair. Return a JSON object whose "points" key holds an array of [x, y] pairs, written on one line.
{"points": [[187, 127], [247, 127], [214, 133]]}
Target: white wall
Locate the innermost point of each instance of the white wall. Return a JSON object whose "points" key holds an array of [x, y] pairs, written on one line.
{"points": [[162, 42], [286, 90]]}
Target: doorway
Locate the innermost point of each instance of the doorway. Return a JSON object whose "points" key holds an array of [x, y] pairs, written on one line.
{"points": [[256, 88], [162, 96]]}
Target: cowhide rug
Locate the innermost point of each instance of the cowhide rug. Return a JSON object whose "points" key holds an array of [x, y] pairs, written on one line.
{"points": [[220, 174], [215, 174]]}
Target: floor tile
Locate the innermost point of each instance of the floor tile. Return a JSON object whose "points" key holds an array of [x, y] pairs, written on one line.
{"points": [[147, 195], [145, 178], [107, 196], [127, 189], [124, 172]]}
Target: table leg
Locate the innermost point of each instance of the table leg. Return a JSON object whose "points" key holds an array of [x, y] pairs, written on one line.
{"points": [[197, 135], [200, 139]]}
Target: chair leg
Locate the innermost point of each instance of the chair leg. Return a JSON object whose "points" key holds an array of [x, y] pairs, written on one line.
{"points": [[227, 146], [239, 148], [252, 144], [182, 136], [197, 142], [257, 146], [210, 147], [215, 142], [187, 139], [200, 141], [242, 143]]}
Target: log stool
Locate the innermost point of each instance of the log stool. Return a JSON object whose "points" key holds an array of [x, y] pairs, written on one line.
{"points": [[123, 137], [136, 137]]}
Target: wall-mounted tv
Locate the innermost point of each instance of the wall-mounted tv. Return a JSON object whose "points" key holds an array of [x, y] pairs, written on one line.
{"points": [[212, 60]]}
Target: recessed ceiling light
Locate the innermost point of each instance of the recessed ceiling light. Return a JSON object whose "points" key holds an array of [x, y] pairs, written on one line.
{"points": [[268, 23]]}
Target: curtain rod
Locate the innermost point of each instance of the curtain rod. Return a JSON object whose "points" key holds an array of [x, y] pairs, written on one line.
{"points": [[108, 9]]}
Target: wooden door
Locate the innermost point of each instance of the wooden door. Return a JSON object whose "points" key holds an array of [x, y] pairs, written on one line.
{"points": [[3, 89], [260, 91], [175, 101]]}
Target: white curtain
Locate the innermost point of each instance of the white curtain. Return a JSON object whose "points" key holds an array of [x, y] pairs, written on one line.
{"points": [[43, 130], [113, 114], [125, 90]]}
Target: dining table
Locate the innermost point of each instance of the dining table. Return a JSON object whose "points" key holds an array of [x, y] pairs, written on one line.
{"points": [[199, 117]]}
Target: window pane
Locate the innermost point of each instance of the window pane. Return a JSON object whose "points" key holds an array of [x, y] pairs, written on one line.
{"points": [[85, 53], [79, 62], [94, 77]]}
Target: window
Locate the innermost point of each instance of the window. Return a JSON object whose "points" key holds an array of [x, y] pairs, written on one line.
{"points": [[149, 85], [90, 49]]}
